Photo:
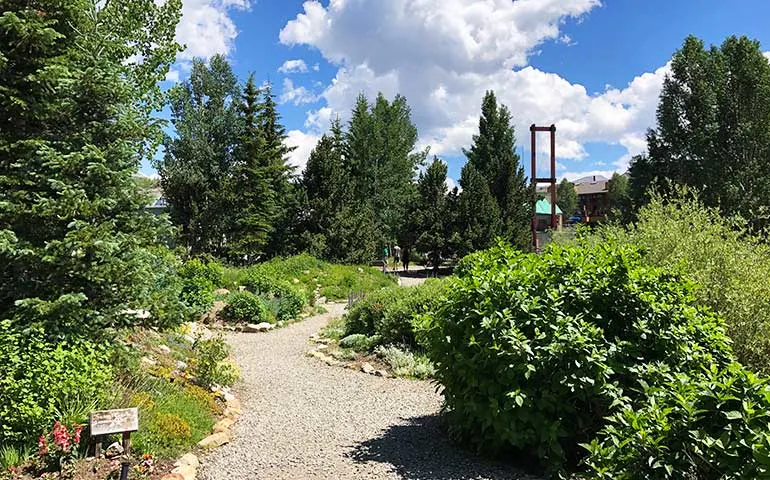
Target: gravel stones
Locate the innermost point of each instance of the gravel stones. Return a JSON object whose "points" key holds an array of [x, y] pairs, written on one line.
{"points": [[304, 420]]}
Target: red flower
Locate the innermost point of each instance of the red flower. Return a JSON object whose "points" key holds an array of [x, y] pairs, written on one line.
{"points": [[42, 446], [76, 439]]}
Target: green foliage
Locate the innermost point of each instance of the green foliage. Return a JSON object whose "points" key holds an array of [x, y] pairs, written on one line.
{"points": [[76, 124], [210, 365], [200, 279], [493, 156], [11, 456], [172, 419], [288, 299], [432, 216], [39, 379], [245, 307], [707, 425], [566, 197], [730, 266], [619, 198], [356, 341], [407, 364], [713, 127], [389, 313], [478, 217], [534, 352]]}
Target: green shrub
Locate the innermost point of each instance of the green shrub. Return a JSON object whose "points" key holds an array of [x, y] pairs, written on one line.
{"points": [[404, 363], [210, 365], [245, 307], [289, 300], [730, 266], [389, 313], [534, 352], [709, 426], [357, 341], [39, 378], [200, 279]]}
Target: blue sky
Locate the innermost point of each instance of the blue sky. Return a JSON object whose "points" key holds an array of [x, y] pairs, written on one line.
{"points": [[594, 68]]}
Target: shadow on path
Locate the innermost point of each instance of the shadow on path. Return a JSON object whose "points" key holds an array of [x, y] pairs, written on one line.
{"points": [[419, 450]]}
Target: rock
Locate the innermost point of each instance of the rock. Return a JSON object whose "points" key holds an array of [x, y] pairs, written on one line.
{"points": [[260, 327], [139, 314], [164, 349], [381, 373], [295, 280], [323, 341], [241, 288], [223, 425], [188, 472], [360, 270], [367, 367], [114, 450], [147, 362], [188, 459], [234, 404], [181, 365], [172, 476], [321, 300], [321, 348], [221, 291], [215, 440]]}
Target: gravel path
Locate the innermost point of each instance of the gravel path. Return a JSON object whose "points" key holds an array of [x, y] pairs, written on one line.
{"points": [[303, 419]]}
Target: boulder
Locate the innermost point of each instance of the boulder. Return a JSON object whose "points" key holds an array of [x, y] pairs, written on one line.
{"points": [[381, 373], [188, 459], [221, 291], [164, 349], [223, 425], [172, 476], [180, 365], [259, 327], [215, 440], [321, 300], [188, 472], [367, 367]]}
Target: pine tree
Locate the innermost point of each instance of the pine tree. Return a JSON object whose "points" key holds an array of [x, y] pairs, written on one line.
{"points": [[280, 174], [254, 199], [619, 198], [478, 217], [75, 123], [493, 155], [432, 219], [196, 170]]}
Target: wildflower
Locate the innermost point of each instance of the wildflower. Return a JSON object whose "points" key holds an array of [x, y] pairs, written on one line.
{"points": [[78, 429], [42, 445]]}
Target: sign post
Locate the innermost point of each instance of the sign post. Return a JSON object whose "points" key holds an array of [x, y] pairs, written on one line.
{"points": [[108, 422]]}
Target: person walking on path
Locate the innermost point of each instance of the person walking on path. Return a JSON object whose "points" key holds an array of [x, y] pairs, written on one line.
{"points": [[405, 259], [385, 257], [396, 257]]}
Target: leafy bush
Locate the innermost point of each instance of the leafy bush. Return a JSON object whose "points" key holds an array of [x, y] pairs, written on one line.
{"points": [[210, 365], [289, 300], [709, 426], [534, 352], [405, 363], [389, 313], [245, 307], [200, 280], [730, 265], [357, 341], [39, 378]]}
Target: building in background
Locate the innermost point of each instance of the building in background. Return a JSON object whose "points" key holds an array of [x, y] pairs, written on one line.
{"points": [[593, 199]]}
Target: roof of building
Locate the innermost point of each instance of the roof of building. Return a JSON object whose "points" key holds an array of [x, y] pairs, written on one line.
{"points": [[591, 179], [543, 207], [588, 188]]}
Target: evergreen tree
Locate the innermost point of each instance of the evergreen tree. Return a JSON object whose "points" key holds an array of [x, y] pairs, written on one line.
{"points": [[253, 198], [380, 153], [493, 155], [433, 228], [566, 197], [713, 127], [281, 175], [196, 171], [478, 217], [75, 123]]}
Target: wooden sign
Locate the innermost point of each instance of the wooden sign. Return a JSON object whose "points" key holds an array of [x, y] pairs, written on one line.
{"points": [[106, 422]]}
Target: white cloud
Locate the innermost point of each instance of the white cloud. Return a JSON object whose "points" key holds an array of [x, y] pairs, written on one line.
{"points": [[172, 75], [295, 95], [293, 66], [206, 27], [451, 184], [316, 67], [305, 143]]}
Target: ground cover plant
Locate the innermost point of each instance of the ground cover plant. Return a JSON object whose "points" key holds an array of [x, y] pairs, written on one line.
{"points": [[730, 265], [551, 355]]}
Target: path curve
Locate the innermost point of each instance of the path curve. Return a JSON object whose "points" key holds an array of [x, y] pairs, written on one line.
{"points": [[303, 419]]}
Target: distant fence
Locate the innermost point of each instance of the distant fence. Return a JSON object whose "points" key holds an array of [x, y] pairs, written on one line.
{"points": [[354, 297]]}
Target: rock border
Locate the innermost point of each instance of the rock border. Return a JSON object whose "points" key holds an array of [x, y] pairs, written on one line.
{"points": [[322, 344]]}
